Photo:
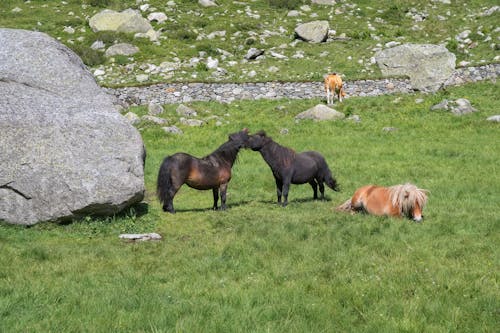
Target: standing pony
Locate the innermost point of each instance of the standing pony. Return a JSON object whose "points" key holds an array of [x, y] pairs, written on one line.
{"points": [[333, 85], [210, 172], [399, 200], [289, 167]]}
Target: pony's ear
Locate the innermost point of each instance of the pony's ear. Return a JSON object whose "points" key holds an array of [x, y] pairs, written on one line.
{"points": [[261, 133], [245, 130]]}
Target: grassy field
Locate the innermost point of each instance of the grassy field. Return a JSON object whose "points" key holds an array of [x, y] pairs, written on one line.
{"points": [[258, 267], [361, 28]]}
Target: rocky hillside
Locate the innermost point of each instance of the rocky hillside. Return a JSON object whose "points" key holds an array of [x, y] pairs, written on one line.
{"points": [[147, 41]]}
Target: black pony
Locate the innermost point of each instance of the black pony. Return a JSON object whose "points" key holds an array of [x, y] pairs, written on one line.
{"points": [[289, 167], [210, 172]]}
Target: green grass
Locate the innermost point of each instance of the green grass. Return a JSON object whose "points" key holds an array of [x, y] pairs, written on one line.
{"points": [[258, 267], [389, 20]]}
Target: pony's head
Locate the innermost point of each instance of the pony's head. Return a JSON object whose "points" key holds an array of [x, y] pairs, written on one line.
{"points": [[240, 138], [410, 200], [258, 140]]}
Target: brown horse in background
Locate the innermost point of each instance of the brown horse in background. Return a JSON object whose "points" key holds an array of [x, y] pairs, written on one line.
{"points": [[289, 167], [210, 172], [334, 85], [398, 200]]}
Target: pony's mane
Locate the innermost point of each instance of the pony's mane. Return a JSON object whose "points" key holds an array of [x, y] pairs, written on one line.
{"points": [[405, 197], [228, 149], [281, 153]]}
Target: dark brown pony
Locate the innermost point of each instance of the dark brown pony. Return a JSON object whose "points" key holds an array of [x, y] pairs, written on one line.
{"points": [[289, 167], [210, 172]]}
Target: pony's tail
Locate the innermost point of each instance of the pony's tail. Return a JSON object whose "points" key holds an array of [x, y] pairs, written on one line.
{"points": [[164, 183], [331, 182], [345, 207]]}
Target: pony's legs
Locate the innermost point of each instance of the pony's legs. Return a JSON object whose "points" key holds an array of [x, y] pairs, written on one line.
{"points": [[286, 187], [314, 186], [223, 190], [279, 186], [215, 192], [168, 205], [321, 189]]}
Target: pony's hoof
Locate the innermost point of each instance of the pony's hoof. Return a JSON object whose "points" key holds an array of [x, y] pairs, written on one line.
{"points": [[169, 210]]}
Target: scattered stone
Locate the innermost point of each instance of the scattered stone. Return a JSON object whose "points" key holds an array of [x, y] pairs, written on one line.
{"points": [[121, 49], [158, 17], [69, 30], [212, 63], [355, 118], [155, 109], [173, 130], [207, 3], [253, 53], [154, 120], [319, 113], [458, 107], [443, 105], [132, 118], [185, 111], [98, 45], [461, 107], [142, 78], [153, 236], [315, 31], [191, 122], [324, 2], [495, 118]]}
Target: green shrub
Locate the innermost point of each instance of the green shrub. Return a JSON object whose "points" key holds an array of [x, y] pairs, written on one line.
{"points": [[110, 37], [90, 57], [100, 3], [285, 4]]}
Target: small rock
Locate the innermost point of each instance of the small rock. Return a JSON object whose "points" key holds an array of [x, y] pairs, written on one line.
{"points": [[443, 105], [192, 122], [389, 129], [121, 49], [97, 45], [207, 3], [173, 130], [132, 118], [155, 120], [158, 17], [141, 237], [495, 118], [185, 111], [154, 109], [355, 118], [142, 78], [253, 53]]}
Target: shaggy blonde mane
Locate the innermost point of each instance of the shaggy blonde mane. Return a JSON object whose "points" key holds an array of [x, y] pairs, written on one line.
{"points": [[407, 196]]}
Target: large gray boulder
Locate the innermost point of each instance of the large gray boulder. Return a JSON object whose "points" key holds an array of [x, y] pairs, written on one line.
{"points": [[65, 150], [428, 66], [128, 21], [314, 32]]}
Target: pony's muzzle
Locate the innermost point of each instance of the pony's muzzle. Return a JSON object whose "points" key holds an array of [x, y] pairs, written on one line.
{"points": [[418, 219]]}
